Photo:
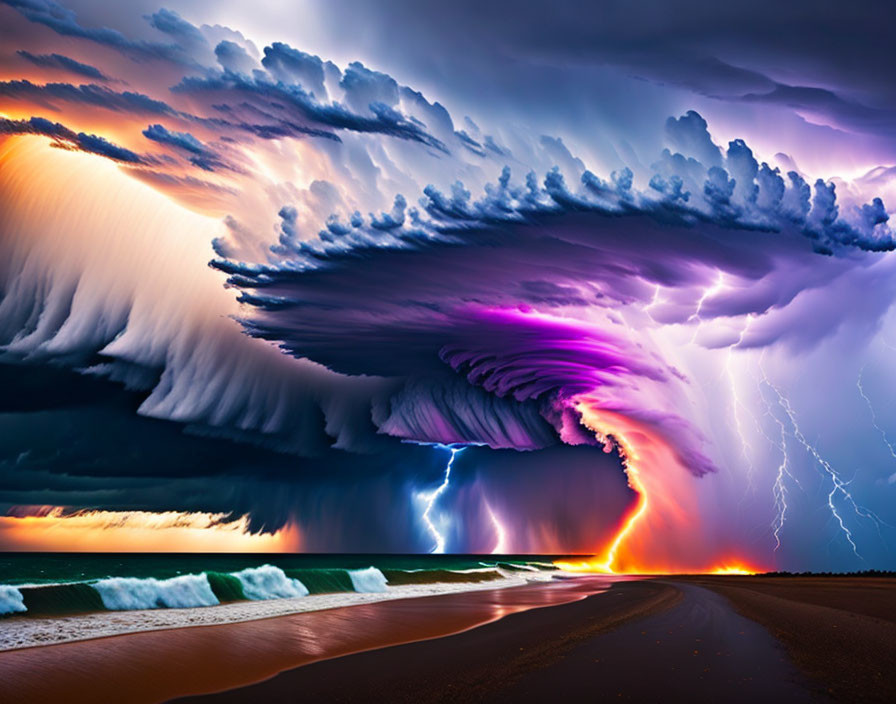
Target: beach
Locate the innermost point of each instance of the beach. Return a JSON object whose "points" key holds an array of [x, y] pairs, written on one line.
{"points": [[732, 638], [641, 641], [158, 665], [839, 630], [26, 632]]}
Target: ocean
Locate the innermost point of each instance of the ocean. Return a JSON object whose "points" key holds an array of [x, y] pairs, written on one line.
{"points": [[56, 584]]}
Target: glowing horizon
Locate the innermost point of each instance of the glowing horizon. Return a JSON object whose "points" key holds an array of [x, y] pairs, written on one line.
{"points": [[51, 529]]}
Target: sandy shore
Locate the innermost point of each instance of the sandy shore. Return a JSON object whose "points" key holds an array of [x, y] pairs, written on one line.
{"points": [[697, 639], [159, 665], [22, 631], [840, 631], [641, 641]]}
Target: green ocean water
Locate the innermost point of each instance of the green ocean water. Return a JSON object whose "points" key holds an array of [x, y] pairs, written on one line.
{"points": [[50, 568], [36, 584]]}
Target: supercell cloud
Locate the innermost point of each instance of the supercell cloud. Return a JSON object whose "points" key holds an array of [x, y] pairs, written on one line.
{"points": [[271, 281]]}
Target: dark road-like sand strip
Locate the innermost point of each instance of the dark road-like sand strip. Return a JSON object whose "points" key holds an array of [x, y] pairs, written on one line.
{"points": [[840, 631], [645, 641]]}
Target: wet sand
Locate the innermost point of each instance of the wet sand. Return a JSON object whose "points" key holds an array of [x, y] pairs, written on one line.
{"points": [[697, 639], [160, 665], [643, 641], [25, 631], [840, 631]]}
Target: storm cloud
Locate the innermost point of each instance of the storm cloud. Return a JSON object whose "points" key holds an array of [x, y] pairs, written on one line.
{"points": [[615, 242]]}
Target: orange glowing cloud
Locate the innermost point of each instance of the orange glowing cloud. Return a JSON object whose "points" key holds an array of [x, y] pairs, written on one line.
{"points": [[52, 529]]}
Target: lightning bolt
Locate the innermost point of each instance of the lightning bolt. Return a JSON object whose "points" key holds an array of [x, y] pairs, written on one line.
{"points": [[653, 301], [746, 450], [886, 439], [708, 293], [779, 488], [430, 498], [874, 422], [838, 485], [501, 545]]}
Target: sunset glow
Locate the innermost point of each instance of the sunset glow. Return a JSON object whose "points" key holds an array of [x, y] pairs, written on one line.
{"points": [[52, 529]]}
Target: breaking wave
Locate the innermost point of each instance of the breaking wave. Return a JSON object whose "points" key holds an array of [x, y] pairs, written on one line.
{"points": [[129, 593], [269, 582], [369, 580], [11, 600], [210, 588]]}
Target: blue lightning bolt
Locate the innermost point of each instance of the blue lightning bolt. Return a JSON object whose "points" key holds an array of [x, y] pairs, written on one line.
{"points": [[874, 422], [430, 498], [779, 488], [838, 485]]}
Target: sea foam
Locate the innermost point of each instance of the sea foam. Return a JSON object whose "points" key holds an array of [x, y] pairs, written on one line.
{"points": [[11, 600], [369, 580], [125, 593], [269, 582]]}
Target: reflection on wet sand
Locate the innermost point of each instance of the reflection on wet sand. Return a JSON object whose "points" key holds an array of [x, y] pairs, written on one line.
{"points": [[160, 665]]}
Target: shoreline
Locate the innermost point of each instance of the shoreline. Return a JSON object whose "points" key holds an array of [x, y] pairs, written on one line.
{"points": [[20, 631], [643, 641], [743, 639], [159, 665], [486, 664]]}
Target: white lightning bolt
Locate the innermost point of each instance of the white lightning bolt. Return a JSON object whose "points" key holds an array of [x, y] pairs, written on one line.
{"points": [[708, 293], [500, 546], [430, 498], [874, 422], [653, 301], [746, 450], [838, 485], [779, 488]]}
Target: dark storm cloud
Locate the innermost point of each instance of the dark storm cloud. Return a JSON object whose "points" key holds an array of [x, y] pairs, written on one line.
{"points": [[200, 155], [292, 103], [444, 308], [65, 63], [233, 57], [86, 94], [826, 61], [293, 66], [90, 143], [65, 22], [76, 441], [445, 284]]}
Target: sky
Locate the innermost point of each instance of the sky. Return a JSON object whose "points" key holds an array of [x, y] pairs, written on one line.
{"points": [[613, 280]]}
